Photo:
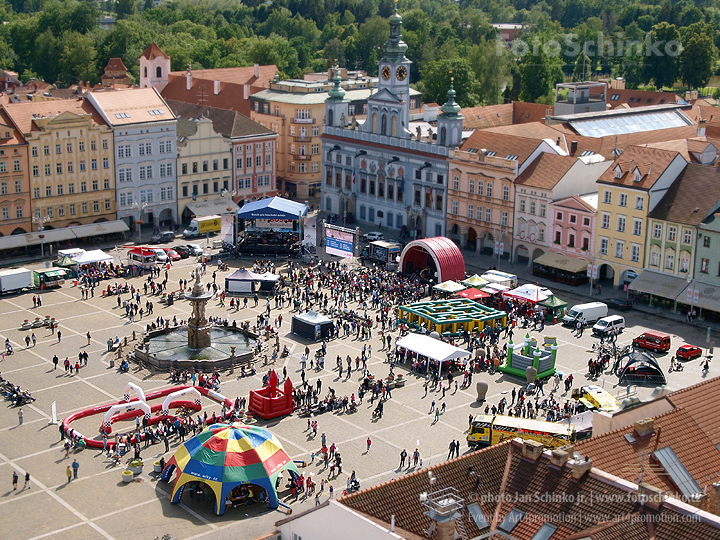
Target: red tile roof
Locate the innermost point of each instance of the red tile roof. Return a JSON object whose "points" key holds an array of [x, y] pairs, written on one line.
{"points": [[236, 75], [115, 64], [546, 171], [635, 98], [153, 51], [517, 112], [702, 403], [651, 162], [22, 113], [502, 145]]}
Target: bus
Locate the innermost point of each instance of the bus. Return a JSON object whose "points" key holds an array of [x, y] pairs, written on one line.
{"points": [[595, 398], [487, 430]]}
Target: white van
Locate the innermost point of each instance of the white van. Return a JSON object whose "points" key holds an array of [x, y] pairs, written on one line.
{"points": [[613, 324], [590, 313]]}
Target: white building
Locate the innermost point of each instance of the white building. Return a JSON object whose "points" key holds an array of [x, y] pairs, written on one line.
{"points": [[144, 131]]}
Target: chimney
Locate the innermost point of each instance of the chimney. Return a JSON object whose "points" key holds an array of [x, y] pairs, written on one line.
{"points": [[573, 147], [644, 427], [189, 80], [532, 450], [559, 456], [713, 496], [216, 87], [653, 497], [444, 507], [580, 467], [246, 91], [701, 128], [257, 71]]}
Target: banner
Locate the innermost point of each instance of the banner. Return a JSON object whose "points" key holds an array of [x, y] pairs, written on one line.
{"points": [[339, 243], [53, 411], [227, 228], [277, 224]]}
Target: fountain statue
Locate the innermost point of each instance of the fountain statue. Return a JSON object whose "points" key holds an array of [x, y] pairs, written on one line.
{"points": [[198, 326]]}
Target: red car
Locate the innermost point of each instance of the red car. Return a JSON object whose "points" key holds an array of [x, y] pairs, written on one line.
{"points": [[688, 352], [172, 254]]}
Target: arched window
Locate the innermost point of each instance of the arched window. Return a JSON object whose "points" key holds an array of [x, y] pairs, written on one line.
{"points": [[158, 72], [330, 118], [374, 123], [383, 126], [442, 136], [145, 71], [393, 126]]}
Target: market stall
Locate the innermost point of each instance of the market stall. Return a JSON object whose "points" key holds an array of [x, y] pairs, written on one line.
{"points": [[472, 294], [95, 256], [475, 281], [267, 281], [311, 325], [528, 293], [554, 308], [241, 281], [449, 286]]}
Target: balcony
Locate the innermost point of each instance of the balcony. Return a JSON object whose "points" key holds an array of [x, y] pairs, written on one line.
{"points": [[301, 157], [303, 120], [302, 139]]}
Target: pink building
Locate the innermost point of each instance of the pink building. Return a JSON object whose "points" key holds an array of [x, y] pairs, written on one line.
{"points": [[573, 226]]}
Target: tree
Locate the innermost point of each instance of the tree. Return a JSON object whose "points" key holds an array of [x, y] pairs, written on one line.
{"points": [[535, 75], [697, 61], [125, 8], [662, 48], [491, 66], [436, 82], [79, 58]]}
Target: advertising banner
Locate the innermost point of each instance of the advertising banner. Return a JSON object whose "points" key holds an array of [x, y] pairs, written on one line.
{"points": [[339, 243], [227, 225]]}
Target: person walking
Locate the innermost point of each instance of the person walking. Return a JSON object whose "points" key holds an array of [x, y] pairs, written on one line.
{"points": [[27, 480], [75, 467], [15, 480], [457, 448], [59, 334], [369, 442], [55, 361]]}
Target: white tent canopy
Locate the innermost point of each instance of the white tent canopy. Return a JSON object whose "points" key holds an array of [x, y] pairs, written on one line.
{"points": [[92, 257], [432, 348], [267, 276], [475, 281], [449, 286], [529, 292], [495, 288]]}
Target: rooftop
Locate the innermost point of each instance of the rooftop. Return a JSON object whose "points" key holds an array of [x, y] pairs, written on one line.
{"points": [[230, 124], [702, 402], [546, 171], [134, 106], [153, 51], [314, 98], [500, 145], [235, 75], [649, 163], [691, 198], [23, 115]]}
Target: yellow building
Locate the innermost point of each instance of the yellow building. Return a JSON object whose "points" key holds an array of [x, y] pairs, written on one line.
{"points": [[627, 192], [14, 180], [70, 162]]}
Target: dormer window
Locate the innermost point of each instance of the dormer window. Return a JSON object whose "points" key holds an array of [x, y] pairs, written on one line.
{"points": [[636, 175], [618, 172]]}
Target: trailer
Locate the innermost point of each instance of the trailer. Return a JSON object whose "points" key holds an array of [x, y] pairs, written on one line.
{"points": [[15, 280], [384, 253]]}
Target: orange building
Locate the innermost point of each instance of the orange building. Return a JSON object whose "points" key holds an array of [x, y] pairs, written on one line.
{"points": [[14, 180]]}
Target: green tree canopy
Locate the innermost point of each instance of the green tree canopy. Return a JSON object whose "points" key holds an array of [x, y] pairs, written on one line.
{"points": [[436, 82]]}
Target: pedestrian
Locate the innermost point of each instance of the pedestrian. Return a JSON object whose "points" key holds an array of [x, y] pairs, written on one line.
{"points": [[330, 489], [457, 448], [15, 474], [59, 336], [317, 499], [55, 361], [451, 449], [369, 442], [20, 416], [75, 467], [432, 406], [27, 480], [403, 455], [34, 338], [88, 338], [69, 473]]}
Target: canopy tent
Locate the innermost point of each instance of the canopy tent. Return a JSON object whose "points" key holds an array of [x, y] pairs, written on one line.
{"points": [[70, 252], [240, 281], [475, 281], [273, 208], [92, 257], [64, 262], [267, 281], [562, 262], [495, 288], [449, 286], [659, 284], [529, 293], [472, 294], [556, 308], [226, 456], [312, 325], [433, 348]]}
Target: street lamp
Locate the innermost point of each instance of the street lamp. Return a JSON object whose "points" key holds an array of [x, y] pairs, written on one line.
{"points": [[689, 279], [41, 221], [141, 207]]}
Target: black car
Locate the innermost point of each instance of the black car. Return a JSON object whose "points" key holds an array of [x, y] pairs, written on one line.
{"points": [[163, 238], [183, 251], [621, 304]]}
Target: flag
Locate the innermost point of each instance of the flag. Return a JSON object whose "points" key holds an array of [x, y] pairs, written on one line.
{"points": [[353, 175], [431, 192]]}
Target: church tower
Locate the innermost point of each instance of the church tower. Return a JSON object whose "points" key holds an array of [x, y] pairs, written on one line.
{"points": [[154, 68], [450, 121], [336, 105], [388, 108]]}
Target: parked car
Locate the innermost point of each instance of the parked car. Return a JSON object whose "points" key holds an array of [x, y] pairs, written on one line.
{"points": [[172, 254], [613, 324], [195, 249], [688, 352], [621, 304], [374, 236], [163, 237], [183, 251], [161, 256], [656, 341], [589, 313]]}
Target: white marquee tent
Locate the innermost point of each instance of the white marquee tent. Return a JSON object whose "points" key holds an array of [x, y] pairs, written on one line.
{"points": [[433, 348]]}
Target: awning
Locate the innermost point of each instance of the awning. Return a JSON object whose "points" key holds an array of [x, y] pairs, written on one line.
{"points": [[562, 262], [529, 292], [91, 257], [213, 207], [431, 347], [273, 208], [449, 286], [658, 284], [708, 296], [494, 288], [60, 235], [472, 294]]}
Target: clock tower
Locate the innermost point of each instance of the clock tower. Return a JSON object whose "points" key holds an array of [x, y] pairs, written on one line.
{"points": [[391, 101]]}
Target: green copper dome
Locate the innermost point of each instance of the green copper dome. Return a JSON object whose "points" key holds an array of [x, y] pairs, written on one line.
{"points": [[451, 107], [337, 92], [395, 48]]}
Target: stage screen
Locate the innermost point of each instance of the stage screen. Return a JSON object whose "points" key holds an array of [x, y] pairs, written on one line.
{"points": [[339, 243]]}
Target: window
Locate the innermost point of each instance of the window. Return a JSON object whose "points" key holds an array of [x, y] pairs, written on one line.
{"points": [[672, 234], [61, 211], [16, 165], [96, 206], [49, 211], [655, 259], [511, 520], [481, 187], [315, 166], [440, 179], [71, 188], [248, 162], [571, 240], [489, 190], [541, 234], [506, 193], [5, 213], [36, 170], [618, 172], [669, 262], [93, 145], [106, 163], [522, 205], [81, 146], [657, 230], [684, 265], [639, 203], [607, 197], [471, 211], [58, 149], [205, 166], [106, 183], [107, 204], [258, 159], [605, 221], [471, 189], [687, 236], [558, 216], [315, 131], [619, 249], [94, 185], [706, 241], [70, 167], [82, 165], [621, 224], [83, 187], [72, 209], [573, 218], [479, 213], [488, 215], [623, 199], [604, 246], [105, 144], [48, 191], [504, 219], [36, 193], [635, 253], [704, 266], [60, 189], [558, 237], [46, 150], [47, 169], [18, 211], [456, 182], [84, 208], [637, 227], [545, 532], [542, 209], [34, 151]]}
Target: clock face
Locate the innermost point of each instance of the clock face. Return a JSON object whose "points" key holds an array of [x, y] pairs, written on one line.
{"points": [[386, 73], [401, 73]]}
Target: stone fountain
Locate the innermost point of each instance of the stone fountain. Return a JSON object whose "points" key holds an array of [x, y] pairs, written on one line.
{"points": [[199, 345]]}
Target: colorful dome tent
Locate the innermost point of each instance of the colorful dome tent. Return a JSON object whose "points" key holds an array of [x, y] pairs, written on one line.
{"points": [[435, 258], [226, 456]]}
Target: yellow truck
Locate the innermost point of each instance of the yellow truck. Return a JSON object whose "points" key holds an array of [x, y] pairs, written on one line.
{"points": [[200, 226]]}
